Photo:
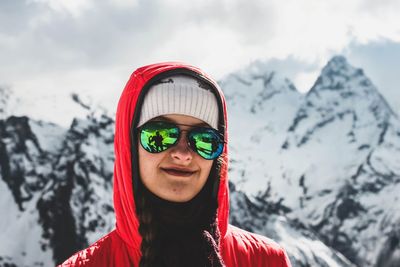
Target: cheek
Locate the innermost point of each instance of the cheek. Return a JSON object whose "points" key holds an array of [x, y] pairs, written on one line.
{"points": [[206, 168], [147, 165]]}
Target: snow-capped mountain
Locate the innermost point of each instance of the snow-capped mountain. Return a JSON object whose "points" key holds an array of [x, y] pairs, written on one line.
{"points": [[343, 148], [260, 103], [56, 188], [76, 207], [318, 173], [25, 170], [336, 169]]}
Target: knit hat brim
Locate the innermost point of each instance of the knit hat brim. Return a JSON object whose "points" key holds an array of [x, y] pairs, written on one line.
{"points": [[180, 94]]}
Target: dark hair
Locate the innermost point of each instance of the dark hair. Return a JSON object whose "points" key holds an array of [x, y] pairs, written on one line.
{"points": [[208, 237], [148, 230]]}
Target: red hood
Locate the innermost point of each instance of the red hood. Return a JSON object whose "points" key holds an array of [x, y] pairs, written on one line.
{"points": [[125, 209]]}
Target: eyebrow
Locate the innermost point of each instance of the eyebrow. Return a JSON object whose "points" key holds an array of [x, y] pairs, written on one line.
{"points": [[201, 124]]}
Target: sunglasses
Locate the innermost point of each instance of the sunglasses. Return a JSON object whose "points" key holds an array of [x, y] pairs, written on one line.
{"points": [[158, 136]]}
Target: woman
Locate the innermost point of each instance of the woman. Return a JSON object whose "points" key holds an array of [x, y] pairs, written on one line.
{"points": [[170, 179]]}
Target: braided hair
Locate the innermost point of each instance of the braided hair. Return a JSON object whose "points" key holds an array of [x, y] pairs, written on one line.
{"points": [[148, 228]]}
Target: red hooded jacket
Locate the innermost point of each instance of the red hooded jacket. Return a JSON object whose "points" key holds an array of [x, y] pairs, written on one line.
{"points": [[121, 247]]}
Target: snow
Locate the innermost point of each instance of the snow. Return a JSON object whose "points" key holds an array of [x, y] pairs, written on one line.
{"points": [[309, 251], [49, 135], [20, 232]]}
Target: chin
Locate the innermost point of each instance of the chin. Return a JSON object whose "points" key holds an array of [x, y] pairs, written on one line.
{"points": [[179, 197]]}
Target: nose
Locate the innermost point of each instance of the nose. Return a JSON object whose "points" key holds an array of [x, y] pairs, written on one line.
{"points": [[181, 151]]}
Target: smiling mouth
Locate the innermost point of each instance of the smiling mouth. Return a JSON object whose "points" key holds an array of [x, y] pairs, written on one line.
{"points": [[176, 172]]}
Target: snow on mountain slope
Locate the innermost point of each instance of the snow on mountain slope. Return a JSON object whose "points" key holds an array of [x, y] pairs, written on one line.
{"points": [[362, 220], [259, 103], [266, 218], [56, 188], [76, 207], [25, 170], [342, 150]]}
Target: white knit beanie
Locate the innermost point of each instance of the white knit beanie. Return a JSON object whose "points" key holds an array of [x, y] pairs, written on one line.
{"points": [[180, 94]]}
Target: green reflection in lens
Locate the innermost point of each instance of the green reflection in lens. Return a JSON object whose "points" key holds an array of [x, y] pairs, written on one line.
{"points": [[158, 136], [207, 143]]}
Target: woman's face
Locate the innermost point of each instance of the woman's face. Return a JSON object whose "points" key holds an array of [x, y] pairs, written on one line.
{"points": [[178, 173]]}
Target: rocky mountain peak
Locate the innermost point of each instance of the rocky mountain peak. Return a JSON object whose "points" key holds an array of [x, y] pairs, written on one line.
{"points": [[342, 91], [338, 63], [339, 75]]}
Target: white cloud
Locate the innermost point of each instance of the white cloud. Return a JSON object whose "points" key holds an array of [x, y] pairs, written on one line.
{"points": [[60, 39], [124, 3], [111, 32], [74, 7], [305, 80]]}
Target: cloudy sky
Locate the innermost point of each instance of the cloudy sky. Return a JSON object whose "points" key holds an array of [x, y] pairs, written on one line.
{"points": [[51, 48]]}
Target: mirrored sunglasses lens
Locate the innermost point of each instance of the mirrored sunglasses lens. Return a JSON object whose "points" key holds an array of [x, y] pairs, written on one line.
{"points": [[156, 137], [207, 143]]}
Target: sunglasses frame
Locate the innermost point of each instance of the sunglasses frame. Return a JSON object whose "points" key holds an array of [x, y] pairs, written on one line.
{"points": [[193, 128]]}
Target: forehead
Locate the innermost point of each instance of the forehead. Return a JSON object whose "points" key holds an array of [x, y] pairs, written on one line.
{"points": [[182, 119]]}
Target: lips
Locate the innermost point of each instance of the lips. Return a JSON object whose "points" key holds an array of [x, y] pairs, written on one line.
{"points": [[178, 172]]}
